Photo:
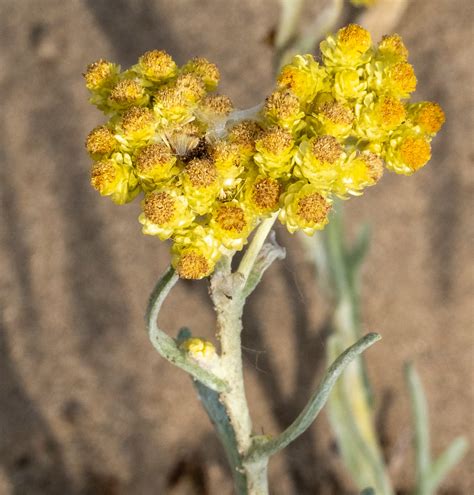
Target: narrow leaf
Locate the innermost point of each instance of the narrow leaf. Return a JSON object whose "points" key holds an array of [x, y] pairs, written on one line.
{"points": [[165, 345], [315, 404]]}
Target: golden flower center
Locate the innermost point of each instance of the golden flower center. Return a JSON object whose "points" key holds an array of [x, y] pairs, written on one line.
{"points": [[391, 111], [282, 104], [313, 208], [430, 117], [153, 155], [127, 91], [403, 77], [137, 119], [157, 64], [192, 265], [354, 38], [337, 113], [415, 152], [201, 172], [276, 140], [231, 218], [266, 193], [245, 134], [217, 104], [102, 174], [393, 44], [159, 207], [98, 73], [100, 140], [326, 148]]}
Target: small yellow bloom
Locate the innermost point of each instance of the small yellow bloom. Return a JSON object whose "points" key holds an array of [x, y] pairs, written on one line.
{"points": [[195, 253], [214, 108], [331, 117], [232, 224], [100, 74], [392, 48], [155, 164], [428, 116], [208, 71], [100, 142], [199, 349], [114, 179], [135, 128], [244, 134], [171, 107], [157, 66], [201, 184], [304, 208], [350, 48], [317, 161], [262, 194], [407, 152], [126, 93], [357, 172], [303, 77], [275, 150], [165, 213], [349, 84], [282, 108]]}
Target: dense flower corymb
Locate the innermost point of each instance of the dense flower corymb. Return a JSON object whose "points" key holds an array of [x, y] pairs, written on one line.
{"points": [[209, 175]]}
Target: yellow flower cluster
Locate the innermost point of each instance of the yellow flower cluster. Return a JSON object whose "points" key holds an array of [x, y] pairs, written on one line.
{"points": [[209, 174]]}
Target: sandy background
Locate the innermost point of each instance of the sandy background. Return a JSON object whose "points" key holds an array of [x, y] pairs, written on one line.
{"points": [[87, 406]]}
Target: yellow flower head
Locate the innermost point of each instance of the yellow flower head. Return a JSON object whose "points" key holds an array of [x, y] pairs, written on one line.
{"points": [[201, 184], [114, 179], [282, 108], [317, 160], [191, 87], [195, 253], [407, 152], [303, 77], [428, 116], [213, 108], [262, 194], [135, 128], [208, 71], [171, 107], [350, 48], [231, 223], [244, 134], [401, 80], [100, 142], [331, 117], [100, 74], [357, 172], [275, 150], [304, 208], [154, 165], [392, 48], [126, 93], [157, 66], [199, 349], [228, 161], [165, 213]]}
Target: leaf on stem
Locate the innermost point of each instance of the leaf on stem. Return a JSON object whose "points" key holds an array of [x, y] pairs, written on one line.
{"points": [[263, 449], [165, 345]]}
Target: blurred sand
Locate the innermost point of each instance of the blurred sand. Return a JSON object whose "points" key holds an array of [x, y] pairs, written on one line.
{"points": [[87, 406]]}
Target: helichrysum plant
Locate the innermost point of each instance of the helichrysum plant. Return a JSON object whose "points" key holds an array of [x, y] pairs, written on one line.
{"points": [[208, 175]]}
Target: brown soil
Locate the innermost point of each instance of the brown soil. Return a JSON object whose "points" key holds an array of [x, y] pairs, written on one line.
{"points": [[87, 406]]}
